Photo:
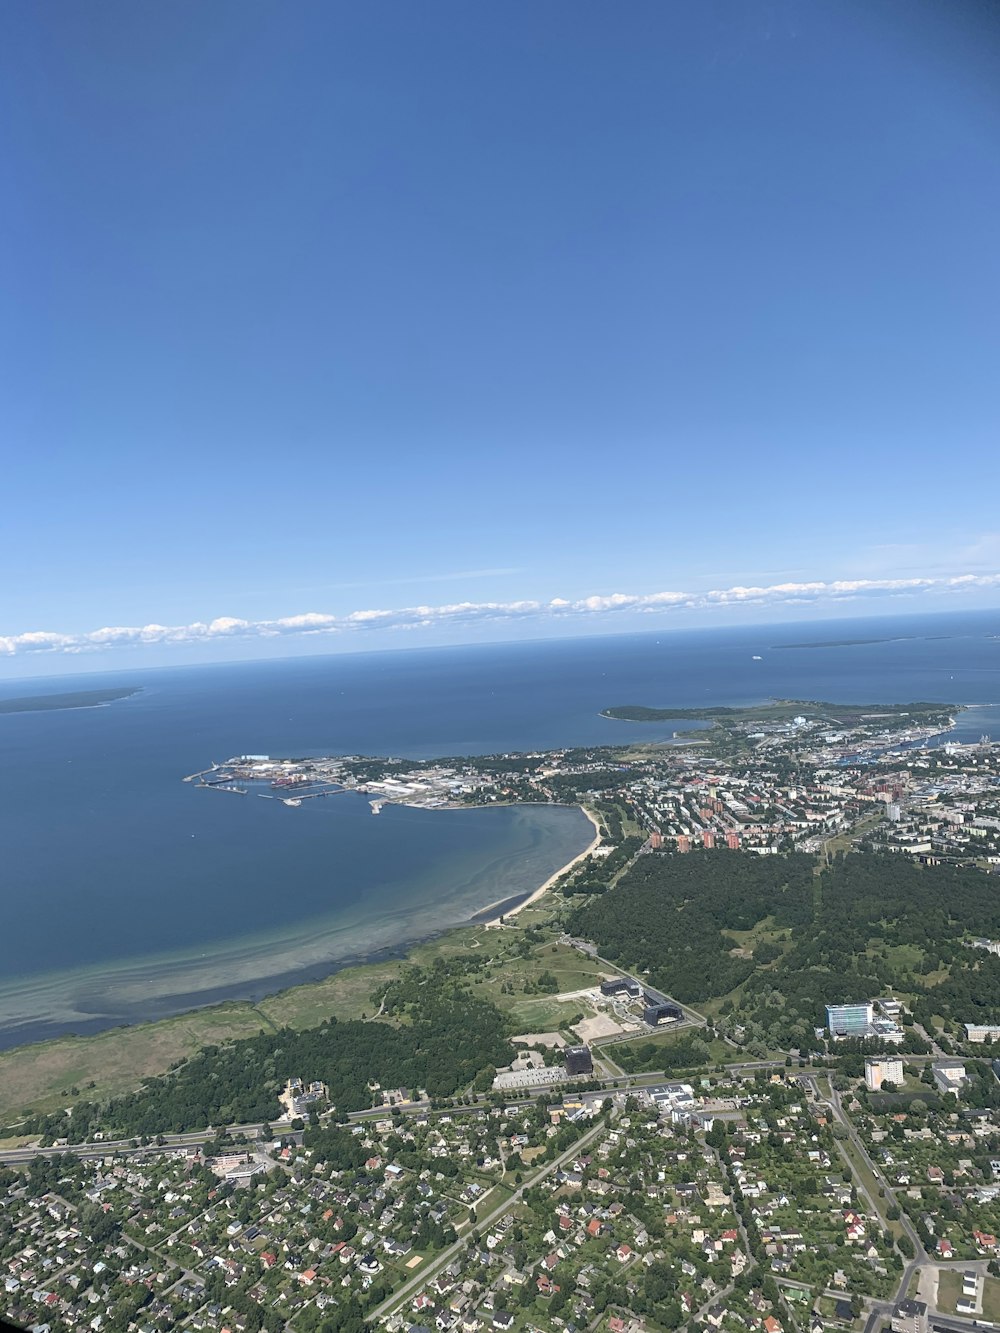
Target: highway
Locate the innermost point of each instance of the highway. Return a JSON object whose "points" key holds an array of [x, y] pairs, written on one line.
{"points": [[193, 1138]]}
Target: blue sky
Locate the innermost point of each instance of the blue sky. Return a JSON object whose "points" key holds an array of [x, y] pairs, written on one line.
{"points": [[326, 309]]}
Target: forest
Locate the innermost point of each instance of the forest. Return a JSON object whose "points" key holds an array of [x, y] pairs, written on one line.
{"points": [[668, 913], [441, 1039], [863, 926]]}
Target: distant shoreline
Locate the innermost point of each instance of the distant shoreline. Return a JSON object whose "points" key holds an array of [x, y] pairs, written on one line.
{"points": [[56, 703], [778, 710]]}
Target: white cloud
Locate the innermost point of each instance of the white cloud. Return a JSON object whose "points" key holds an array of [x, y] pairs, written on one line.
{"points": [[468, 613], [228, 625], [311, 620]]}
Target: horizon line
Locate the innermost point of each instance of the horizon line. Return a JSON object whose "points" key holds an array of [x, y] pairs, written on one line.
{"points": [[641, 632], [465, 614]]}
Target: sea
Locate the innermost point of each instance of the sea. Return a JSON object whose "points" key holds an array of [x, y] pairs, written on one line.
{"points": [[129, 895]]}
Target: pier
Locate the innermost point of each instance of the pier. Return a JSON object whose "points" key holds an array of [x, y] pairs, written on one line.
{"points": [[290, 781]]}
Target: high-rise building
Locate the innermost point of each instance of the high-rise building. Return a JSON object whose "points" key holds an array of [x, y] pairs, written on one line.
{"points": [[849, 1020], [879, 1071]]}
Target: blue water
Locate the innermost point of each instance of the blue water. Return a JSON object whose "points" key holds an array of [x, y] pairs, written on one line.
{"points": [[129, 894]]}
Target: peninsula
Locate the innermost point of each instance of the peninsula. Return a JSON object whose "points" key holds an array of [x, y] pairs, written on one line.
{"points": [[786, 710], [47, 703], [745, 728]]}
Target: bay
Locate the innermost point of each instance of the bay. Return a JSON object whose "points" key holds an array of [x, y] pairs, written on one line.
{"points": [[127, 894]]}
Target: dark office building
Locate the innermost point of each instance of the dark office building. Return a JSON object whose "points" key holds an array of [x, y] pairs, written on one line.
{"points": [[661, 1013], [618, 984], [578, 1060]]}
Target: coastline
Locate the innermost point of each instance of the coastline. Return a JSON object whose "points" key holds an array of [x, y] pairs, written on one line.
{"points": [[41, 1063], [544, 888], [85, 1002], [66, 703]]}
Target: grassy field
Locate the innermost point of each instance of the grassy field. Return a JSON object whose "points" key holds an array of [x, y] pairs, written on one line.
{"points": [[42, 1076], [844, 842], [991, 1300], [949, 1289], [511, 974], [763, 932], [493, 1198], [544, 1014], [510, 979], [347, 994]]}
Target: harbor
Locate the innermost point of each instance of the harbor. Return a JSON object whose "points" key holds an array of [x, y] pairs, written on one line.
{"points": [[293, 781], [285, 780]]}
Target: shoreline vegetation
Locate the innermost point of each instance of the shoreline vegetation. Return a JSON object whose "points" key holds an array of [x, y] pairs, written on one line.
{"points": [[39, 1074], [49, 703]]}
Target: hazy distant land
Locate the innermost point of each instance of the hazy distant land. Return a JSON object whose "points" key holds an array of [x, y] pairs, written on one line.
{"points": [[47, 703], [856, 643], [780, 710]]}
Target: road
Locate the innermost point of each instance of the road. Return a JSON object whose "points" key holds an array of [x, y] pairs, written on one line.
{"points": [[193, 1138], [879, 1311]]}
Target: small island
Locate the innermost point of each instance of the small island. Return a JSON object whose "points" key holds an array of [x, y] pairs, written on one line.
{"points": [[48, 703]]}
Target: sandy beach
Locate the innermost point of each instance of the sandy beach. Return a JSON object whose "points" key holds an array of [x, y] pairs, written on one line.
{"points": [[544, 888]]}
